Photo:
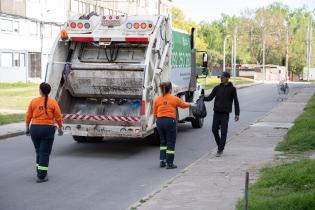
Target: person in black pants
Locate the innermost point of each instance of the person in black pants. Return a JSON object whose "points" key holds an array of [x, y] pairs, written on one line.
{"points": [[164, 110], [42, 113], [224, 94]]}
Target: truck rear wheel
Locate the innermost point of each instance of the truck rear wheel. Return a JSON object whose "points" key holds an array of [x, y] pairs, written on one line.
{"points": [[82, 139], [94, 139], [197, 123], [79, 139]]}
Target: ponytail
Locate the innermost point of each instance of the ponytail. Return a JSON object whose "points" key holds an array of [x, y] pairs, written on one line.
{"points": [[45, 90], [165, 87], [46, 99]]}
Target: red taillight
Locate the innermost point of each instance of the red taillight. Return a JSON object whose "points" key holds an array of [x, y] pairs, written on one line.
{"points": [[143, 25], [143, 108], [110, 17], [136, 25], [73, 25], [150, 25], [117, 17], [137, 39], [105, 39], [80, 25], [82, 39]]}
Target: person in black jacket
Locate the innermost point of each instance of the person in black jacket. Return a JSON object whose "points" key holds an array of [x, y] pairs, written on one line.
{"points": [[224, 94]]}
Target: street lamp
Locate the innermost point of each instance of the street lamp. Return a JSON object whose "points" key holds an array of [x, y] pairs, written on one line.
{"points": [[224, 52], [287, 51], [309, 45]]}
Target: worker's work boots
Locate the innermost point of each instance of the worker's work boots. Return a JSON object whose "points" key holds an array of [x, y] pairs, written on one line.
{"points": [[171, 166], [40, 180]]}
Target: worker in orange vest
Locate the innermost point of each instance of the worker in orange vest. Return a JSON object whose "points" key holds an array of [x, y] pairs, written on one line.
{"points": [[164, 110], [40, 119]]}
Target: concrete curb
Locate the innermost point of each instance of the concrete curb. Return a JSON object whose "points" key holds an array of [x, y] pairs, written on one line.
{"points": [[11, 135]]}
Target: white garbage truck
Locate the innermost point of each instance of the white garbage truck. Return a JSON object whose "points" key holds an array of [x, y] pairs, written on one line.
{"points": [[105, 72]]}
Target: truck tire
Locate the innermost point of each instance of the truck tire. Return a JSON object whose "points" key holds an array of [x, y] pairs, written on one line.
{"points": [[94, 139], [154, 139], [197, 123], [79, 139], [82, 139]]}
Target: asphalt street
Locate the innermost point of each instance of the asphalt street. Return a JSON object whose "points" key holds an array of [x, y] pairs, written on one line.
{"points": [[115, 173]]}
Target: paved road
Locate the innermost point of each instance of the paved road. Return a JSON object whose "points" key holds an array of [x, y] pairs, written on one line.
{"points": [[113, 174]]}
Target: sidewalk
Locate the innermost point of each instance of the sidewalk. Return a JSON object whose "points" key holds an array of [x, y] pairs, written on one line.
{"points": [[217, 183]]}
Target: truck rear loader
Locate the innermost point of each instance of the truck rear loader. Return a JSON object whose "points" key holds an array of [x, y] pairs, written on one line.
{"points": [[105, 72]]}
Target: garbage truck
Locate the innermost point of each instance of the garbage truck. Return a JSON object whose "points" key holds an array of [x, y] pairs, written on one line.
{"points": [[105, 73]]}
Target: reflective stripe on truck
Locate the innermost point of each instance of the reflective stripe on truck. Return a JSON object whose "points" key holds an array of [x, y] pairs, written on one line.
{"points": [[100, 118]]}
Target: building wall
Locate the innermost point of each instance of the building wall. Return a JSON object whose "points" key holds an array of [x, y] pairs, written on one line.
{"points": [[308, 75]]}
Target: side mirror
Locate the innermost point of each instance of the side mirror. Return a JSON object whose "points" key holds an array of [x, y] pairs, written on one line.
{"points": [[205, 60]]}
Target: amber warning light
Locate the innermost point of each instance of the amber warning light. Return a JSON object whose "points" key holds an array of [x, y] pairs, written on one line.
{"points": [[64, 35]]}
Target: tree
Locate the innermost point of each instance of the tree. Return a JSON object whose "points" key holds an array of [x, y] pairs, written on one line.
{"points": [[264, 26]]}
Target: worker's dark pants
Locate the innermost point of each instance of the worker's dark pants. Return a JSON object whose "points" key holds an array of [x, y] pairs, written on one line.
{"points": [[167, 132], [43, 138], [220, 122]]}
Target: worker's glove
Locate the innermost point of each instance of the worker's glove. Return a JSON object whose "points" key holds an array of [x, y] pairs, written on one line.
{"points": [[27, 131], [202, 92], [60, 132]]}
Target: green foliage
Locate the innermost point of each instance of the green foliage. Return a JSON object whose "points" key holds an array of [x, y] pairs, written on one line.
{"points": [[269, 23], [17, 95], [210, 82], [10, 118], [301, 137], [285, 187]]}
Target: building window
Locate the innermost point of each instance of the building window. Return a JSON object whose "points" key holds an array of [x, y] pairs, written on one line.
{"points": [[22, 60], [80, 7], [6, 25], [34, 65], [47, 31], [92, 8], [87, 8], [74, 6], [55, 31], [33, 29], [16, 26], [101, 11], [6, 59], [16, 59]]}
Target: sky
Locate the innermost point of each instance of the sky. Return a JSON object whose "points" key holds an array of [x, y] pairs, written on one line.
{"points": [[210, 10]]}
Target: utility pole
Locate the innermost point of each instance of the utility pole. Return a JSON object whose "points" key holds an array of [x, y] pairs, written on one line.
{"points": [[309, 48], [287, 54], [264, 57], [224, 53], [232, 56], [159, 7], [234, 48]]}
